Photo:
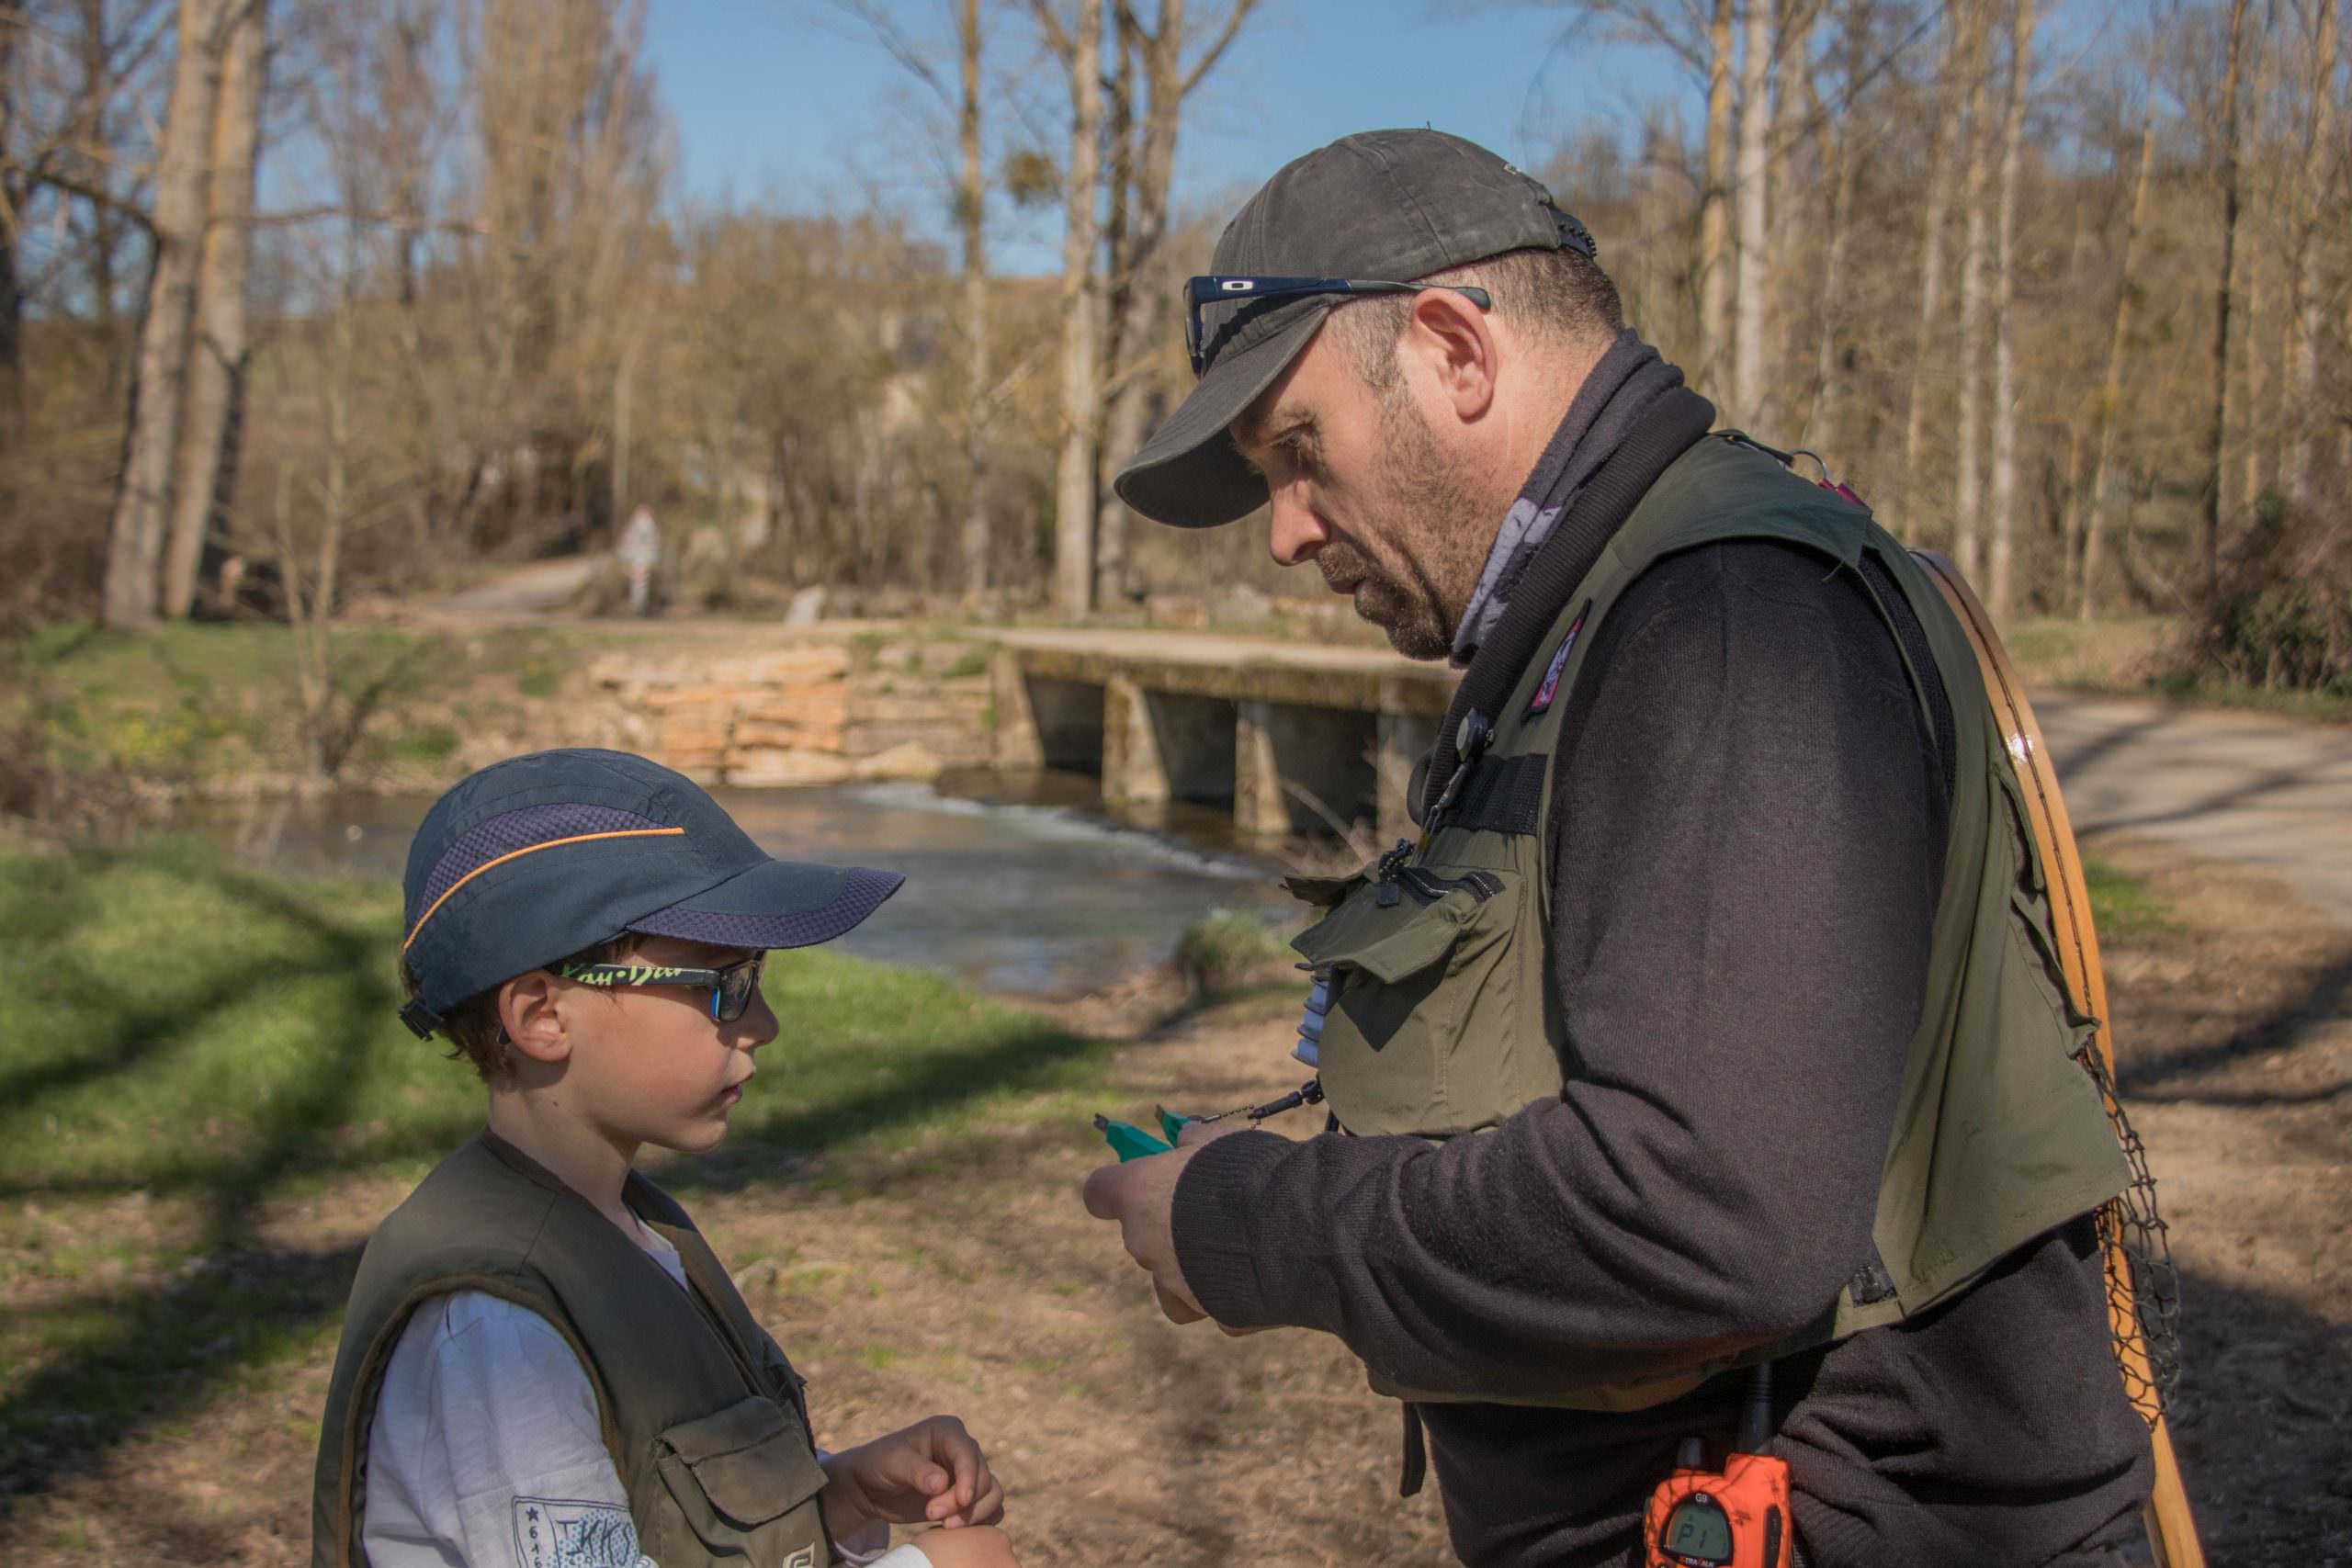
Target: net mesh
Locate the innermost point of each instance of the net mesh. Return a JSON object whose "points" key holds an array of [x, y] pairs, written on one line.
{"points": [[2142, 1284]]}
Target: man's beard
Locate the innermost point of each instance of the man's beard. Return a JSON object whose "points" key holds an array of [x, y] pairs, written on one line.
{"points": [[1430, 497]]}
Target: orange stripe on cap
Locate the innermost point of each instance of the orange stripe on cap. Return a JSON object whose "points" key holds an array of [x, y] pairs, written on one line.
{"points": [[532, 850]]}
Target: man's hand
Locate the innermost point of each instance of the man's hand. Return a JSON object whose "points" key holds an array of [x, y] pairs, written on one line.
{"points": [[1141, 1196], [933, 1472]]}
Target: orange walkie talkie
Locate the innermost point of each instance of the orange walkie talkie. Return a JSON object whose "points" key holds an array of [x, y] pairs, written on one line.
{"points": [[1734, 1517]]}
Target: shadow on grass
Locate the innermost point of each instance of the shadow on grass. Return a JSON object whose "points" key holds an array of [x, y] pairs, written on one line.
{"points": [[120, 1360]]}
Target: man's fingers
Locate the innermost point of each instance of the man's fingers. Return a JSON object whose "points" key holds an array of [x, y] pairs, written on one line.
{"points": [[1178, 1309], [1105, 1192]]}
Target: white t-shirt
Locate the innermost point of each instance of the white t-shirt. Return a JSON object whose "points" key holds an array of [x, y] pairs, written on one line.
{"points": [[487, 1452]]}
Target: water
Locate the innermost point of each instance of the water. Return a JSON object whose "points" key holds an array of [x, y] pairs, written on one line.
{"points": [[1013, 885]]}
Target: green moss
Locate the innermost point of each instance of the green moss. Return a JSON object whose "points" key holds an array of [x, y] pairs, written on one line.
{"points": [[972, 661]]}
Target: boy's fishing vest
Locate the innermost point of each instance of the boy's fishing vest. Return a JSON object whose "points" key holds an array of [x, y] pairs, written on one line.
{"points": [[702, 1413], [1444, 1017]]}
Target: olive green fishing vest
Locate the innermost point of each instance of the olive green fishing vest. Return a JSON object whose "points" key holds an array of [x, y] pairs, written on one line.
{"points": [[1444, 1017], [704, 1417]]}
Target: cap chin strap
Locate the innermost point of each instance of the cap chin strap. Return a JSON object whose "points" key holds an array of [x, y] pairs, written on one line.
{"points": [[421, 1020]]}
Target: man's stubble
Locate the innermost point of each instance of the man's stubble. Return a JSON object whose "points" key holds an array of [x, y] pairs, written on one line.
{"points": [[1435, 529]]}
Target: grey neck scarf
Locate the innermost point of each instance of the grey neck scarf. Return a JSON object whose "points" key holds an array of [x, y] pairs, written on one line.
{"points": [[1630, 377]]}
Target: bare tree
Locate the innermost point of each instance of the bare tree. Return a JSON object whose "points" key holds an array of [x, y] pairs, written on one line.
{"points": [[216, 372], [964, 101], [1077, 43], [2003, 576], [1143, 166], [1714, 200], [2225, 289], [2110, 396], [1755, 143], [1841, 137], [143, 504], [1940, 174], [2317, 207], [1968, 449]]}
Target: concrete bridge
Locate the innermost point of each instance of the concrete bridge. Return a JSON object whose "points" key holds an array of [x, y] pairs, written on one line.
{"points": [[1293, 736]]}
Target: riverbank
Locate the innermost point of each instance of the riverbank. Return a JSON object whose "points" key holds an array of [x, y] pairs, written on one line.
{"points": [[210, 711], [190, 710], [207, 1105]]}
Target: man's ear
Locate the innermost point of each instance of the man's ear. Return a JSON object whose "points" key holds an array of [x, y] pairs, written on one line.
{"points": [[1451, 336], [534, 1023]]}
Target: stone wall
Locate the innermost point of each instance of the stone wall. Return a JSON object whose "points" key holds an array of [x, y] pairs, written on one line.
{"points": [[823, 710]]}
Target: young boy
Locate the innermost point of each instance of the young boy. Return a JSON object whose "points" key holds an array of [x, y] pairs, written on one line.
{"points": [[543, 1366]]}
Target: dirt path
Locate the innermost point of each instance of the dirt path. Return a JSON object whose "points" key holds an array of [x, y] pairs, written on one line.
{"points": [[2255, 788], [963, 1276]]}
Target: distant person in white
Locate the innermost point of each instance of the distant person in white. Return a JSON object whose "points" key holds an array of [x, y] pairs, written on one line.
{"points": [[640, 552]]}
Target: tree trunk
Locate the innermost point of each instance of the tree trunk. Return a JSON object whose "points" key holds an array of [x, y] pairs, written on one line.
{"points": [[2112, 391], [1968, 487], [2224, 289], [2002, 578], [971, 199], [1715, 214], [135, 540], [1081, 312], [1941, 175], [1143, 316], [1755, 143], [1842, 154], [2318, 210], [12, 287], [216, 370]]}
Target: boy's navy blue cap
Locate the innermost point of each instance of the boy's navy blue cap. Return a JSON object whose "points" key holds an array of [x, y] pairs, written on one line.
{"points": [[1394, 206], [535, 858]]}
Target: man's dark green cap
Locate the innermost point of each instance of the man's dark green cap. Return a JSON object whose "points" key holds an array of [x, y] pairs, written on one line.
{"points": [[538, 857], [1394, 206]]}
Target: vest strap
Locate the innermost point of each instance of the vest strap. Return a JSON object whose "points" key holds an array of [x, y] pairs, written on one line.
{"points": [[1504, 796], [1416, 1468]]}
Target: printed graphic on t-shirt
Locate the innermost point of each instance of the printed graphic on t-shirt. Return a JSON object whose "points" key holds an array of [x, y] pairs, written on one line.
{"points": [[552, 1533]]}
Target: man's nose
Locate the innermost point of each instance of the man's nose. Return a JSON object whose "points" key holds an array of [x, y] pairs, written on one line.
{"points": [[1296, 532]]}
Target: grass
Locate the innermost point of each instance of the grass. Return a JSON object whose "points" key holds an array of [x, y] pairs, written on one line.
{"points": [[2121, 904], [1230, 950], [188, 1042], [184, 702]]}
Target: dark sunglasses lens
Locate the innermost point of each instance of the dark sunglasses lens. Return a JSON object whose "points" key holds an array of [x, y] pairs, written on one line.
{"points": [[736, 991]]}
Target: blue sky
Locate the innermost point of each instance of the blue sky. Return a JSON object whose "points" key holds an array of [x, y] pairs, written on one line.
{"points": [[778, 104]]}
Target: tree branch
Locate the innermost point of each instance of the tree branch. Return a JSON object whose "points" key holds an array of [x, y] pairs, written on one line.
{"points": [[1207, 62]]}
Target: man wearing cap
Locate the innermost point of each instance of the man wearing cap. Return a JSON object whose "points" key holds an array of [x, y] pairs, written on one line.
{"points": [[1721, 933], [543, 1364]]}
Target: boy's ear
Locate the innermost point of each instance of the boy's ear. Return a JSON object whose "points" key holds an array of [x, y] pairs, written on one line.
{"points": [[534, 1024]]}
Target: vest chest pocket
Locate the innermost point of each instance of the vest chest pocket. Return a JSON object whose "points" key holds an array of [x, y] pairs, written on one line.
{"points": [[1433, 1028], [744, 1482]]}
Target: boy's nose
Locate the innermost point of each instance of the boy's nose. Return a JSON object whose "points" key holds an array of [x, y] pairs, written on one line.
{"points": [[757, 1027]]}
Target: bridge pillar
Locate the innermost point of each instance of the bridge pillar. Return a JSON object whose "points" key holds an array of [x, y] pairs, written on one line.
{"points": [[1132, 772], [1017, 742], [1405, 738], [1324, 754], [1260, 811]]}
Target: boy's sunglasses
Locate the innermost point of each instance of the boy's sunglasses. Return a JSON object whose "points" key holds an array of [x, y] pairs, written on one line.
{"points": [[731, 989], [1200, 292]]}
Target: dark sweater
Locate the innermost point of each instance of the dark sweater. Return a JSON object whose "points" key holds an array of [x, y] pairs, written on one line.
{"points": [[1748, 837]]}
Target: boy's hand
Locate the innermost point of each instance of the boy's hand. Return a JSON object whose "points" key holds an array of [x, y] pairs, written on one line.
{"points": [[933, 1472]]}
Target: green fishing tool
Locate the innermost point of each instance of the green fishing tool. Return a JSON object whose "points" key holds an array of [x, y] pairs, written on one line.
{"points": [[1128, 1141]]}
